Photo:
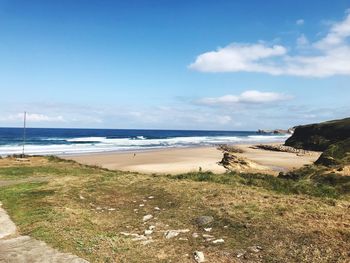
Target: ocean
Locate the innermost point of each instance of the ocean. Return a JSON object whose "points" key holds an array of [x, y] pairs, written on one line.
{"points": [[45, 141]]}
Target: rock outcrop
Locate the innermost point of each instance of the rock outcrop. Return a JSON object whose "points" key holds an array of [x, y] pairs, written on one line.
{"points": [[276, 131], [336, 154], [232, 160], [280, 148], [318, 137], [331, 137]]}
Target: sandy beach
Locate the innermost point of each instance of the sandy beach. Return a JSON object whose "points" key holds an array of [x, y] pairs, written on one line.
{"points": [[172, 161], [277, 161], [182, 160]]}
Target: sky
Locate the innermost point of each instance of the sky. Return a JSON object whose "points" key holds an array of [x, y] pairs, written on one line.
{"points": [[174, 64]]}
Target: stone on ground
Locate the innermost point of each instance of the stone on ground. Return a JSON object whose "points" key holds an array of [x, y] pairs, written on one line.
{"points": [[204, 220], [199, 256]]}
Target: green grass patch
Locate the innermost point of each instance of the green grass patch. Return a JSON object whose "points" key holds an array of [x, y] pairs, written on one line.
{"points": [[317, 186], [26, 202]]}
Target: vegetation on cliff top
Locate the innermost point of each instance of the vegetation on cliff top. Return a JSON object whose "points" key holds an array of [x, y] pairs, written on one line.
{"points": [[318, 137], [331, 137]]}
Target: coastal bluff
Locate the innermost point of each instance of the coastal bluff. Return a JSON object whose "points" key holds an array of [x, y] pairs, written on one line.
{"points": [[330, 137]]}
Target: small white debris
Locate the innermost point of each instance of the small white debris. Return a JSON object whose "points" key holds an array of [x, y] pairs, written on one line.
{"points": [[195, 235], [171, 233], [157, 208], [144, 200], [218, 241], [148, 232], [136, 237], [208, 229], [141, 205], [81, 197], [241, 253], [111, 209], [147, 217], [183, 238], [174, 233], [199, 256], [151, 197], [98, 208], [225, 226]]}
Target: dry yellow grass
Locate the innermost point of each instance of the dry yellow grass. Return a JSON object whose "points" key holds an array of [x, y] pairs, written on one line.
{"points": [[83, 210]]}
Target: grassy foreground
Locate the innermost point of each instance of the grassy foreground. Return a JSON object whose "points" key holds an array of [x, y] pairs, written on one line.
{"points": [[83, 210]]}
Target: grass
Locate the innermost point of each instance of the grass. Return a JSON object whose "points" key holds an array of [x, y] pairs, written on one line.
{"points": [[329, 186], [82, 210]]}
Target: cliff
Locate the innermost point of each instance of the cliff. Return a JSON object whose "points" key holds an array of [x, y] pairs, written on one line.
{"points": [[318, 137], [331, 137]]}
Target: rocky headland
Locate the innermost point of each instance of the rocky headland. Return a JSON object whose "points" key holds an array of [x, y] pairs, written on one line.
{"points": [[331, 137]]}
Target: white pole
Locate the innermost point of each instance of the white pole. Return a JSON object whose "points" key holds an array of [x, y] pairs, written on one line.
{"points": [[24, 132]]}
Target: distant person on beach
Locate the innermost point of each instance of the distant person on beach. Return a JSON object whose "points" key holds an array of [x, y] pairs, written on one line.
{"points": [[134, 155]]}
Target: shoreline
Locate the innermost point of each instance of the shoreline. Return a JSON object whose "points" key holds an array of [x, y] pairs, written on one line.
{"points": [[145, 149]]}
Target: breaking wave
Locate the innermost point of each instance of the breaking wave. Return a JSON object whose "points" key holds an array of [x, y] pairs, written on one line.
{"points": [[92, 144]]}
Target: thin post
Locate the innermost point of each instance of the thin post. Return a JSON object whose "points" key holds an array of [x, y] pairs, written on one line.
{"points": [[24, 132]]}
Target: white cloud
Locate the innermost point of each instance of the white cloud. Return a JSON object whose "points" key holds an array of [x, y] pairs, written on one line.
{"points": [[327, 57], [33, 117], [238, 57], [336, 36], [248, 97], [300, 22]]}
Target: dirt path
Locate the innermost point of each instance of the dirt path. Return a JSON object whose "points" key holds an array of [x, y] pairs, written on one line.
{"points": [[15, 248]]}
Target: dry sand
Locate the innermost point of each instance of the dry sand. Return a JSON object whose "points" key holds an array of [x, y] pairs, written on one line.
{"points": [[174, 161], [278, 161]]}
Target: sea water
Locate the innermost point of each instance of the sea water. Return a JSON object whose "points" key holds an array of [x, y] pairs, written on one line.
{"points": [[46, 141]]}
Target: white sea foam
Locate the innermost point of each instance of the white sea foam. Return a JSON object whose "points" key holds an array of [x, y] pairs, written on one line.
{"points": [[86, 139], [103, 144]]}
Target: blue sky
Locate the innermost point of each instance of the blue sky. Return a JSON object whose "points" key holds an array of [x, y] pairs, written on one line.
{"points": [[222, 65]]}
